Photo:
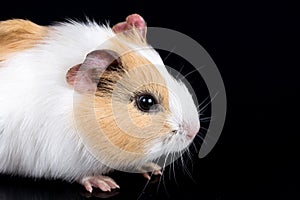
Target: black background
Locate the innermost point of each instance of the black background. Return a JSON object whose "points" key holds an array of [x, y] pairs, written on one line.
{"points": [[255, 46]]}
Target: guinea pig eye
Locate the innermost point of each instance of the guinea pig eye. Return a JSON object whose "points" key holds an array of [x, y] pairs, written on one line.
{"points": [[146, 103]]}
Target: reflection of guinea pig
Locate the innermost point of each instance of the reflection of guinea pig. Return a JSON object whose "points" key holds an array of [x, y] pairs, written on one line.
{"points": [[78, 100]]}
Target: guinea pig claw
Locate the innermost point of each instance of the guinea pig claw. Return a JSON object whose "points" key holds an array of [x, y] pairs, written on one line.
{"points": [[146, 175], [104, 183], [88, 187], [157, 172], [151, 168]]}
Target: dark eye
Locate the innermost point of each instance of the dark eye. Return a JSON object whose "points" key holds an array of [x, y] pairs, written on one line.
{"points": [[146, 103]]}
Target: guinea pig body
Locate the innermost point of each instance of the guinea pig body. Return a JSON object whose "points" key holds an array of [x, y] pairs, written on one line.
{"points": [[53, 126]]}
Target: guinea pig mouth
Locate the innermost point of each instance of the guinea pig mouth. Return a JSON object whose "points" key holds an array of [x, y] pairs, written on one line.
{"points": [[189, 137], [183, 133]]}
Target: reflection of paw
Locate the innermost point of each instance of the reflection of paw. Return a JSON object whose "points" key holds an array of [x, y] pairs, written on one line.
{"points": [[151, 168], [104, 183]]}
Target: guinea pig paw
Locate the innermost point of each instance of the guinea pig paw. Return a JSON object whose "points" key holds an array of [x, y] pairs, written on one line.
{"points": [[151, 168], [104, 183]]}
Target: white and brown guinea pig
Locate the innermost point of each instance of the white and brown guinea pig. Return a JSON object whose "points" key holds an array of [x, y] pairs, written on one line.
{"points": [[78, 100]]}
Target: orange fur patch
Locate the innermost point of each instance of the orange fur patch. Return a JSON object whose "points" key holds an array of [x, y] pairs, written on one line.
{"points": [[123, 124], [121, 127], [17, 35]]}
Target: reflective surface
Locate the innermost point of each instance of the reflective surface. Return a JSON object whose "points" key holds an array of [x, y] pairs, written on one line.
{"points": [[253, 175]]}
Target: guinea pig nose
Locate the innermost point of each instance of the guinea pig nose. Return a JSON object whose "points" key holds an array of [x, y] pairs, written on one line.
{"points": [[192, 130]]}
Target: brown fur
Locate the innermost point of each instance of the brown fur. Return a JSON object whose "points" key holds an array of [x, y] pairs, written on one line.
{"points": [[17, 35]]}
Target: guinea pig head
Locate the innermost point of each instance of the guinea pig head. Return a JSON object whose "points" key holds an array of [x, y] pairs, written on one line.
{"points": [[129, 110]]}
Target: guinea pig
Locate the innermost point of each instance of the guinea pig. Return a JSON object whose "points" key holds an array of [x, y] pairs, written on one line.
{"points": [[79, 100]]}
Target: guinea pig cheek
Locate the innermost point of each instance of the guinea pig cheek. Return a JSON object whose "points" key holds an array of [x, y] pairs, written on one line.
{"points": [[145, 127], [128, 136], [133, 114]]}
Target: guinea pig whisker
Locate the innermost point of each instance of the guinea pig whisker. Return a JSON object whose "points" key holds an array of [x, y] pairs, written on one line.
{"points": [[183, 165], [186, 170], [162, 176], [171, 164], [198, 141], [194, 145], [173, 155], [191, 158], [148, 181], [203, 101], [202, 139], [179, 72], [202, 112], [181, 161], [205, 137], [211, 99], [169, 53], [203, 128], [206, 119], [142, 192], [170, 167], [193, 71]]}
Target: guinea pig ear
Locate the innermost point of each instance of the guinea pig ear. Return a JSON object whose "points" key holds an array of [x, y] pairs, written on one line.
{"points": [[84, 77], [132, 21]]}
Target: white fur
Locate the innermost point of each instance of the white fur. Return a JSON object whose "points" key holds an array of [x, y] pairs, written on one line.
{"points": [[33, 91]]}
